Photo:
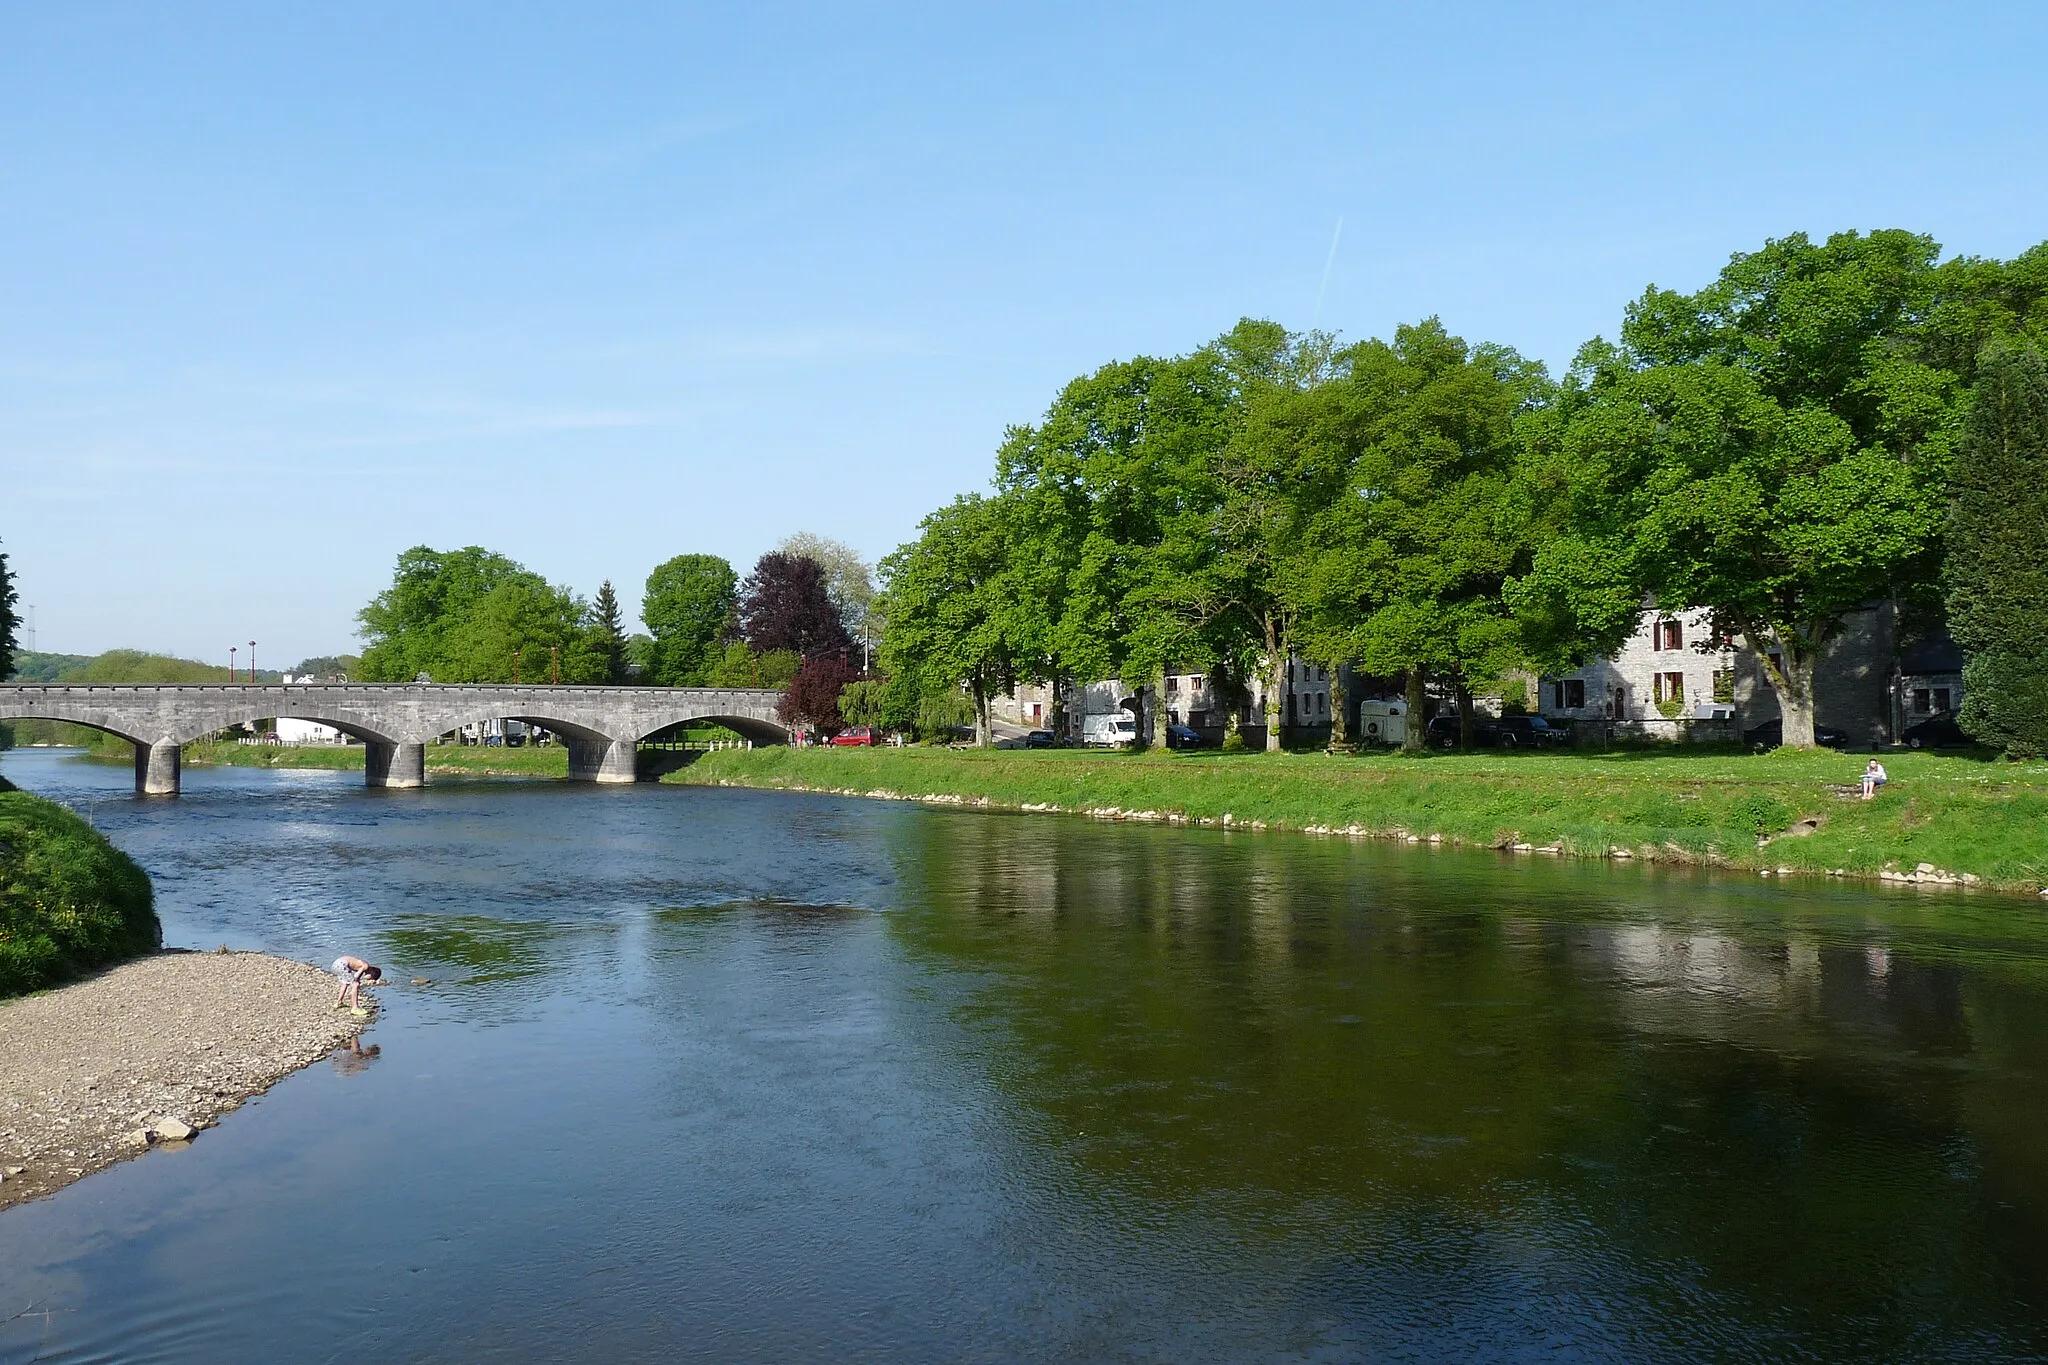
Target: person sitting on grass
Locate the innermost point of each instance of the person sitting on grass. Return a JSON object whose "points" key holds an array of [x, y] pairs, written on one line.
{"points": [[1874, 776], [354, 974]]}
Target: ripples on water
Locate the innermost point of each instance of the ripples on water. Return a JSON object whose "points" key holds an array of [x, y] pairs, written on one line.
{"points": [[739, 1076]]}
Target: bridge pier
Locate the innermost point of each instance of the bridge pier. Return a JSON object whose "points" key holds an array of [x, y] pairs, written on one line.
{"points": [[394, 765], [602, 760], [157, 769]]}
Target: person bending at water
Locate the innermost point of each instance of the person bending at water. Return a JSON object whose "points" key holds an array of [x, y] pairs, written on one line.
{"points": [[354, 974]]}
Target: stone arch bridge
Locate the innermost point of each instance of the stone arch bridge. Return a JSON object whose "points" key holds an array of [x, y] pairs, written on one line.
{"points": [[395, 721]]}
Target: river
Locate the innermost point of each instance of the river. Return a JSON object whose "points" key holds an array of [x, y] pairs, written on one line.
{"points": [[739, 1076]]}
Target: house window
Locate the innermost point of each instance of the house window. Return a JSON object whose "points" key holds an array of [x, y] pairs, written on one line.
{"points": [[1198, 720], [1172, 685], [1323, 702], [1941, 698], [1173, 717], [1920, 700], [1195, 683], [1724, 684], [1670, 687], [1569, 694], [1671, 635]]}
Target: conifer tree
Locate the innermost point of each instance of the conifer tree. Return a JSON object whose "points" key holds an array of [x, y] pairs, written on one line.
{"points": [[1997, 573], [8, 620], [608, 632]]}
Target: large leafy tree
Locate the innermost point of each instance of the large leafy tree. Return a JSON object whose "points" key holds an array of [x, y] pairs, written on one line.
{"points": [[1251, 479], [1997, 571], [1092, 492], [1775, 447], [470, 615], [688, 608], [432, 593], [956, 616], [785, 603], [1407, 569]]}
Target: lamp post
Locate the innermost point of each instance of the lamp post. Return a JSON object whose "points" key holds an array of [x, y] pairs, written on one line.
{"points": [[252, 662], [233, 675]]}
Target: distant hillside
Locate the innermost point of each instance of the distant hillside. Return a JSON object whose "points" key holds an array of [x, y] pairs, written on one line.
{"points": [[43, 668], [123, 666]]}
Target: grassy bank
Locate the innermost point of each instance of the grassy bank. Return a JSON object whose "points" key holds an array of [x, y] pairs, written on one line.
{"points": [[69, 900], [1971, 819], [546, 760]]}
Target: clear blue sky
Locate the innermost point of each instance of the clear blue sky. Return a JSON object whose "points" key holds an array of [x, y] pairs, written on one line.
{"points": [[287, 288]]}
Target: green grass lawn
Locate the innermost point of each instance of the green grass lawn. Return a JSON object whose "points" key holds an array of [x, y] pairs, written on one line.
{"points": [[1971, 815]]}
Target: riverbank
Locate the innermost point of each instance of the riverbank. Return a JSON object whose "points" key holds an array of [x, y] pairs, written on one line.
{"points": [[1943, 820], [476, 760], [167, 1040]]}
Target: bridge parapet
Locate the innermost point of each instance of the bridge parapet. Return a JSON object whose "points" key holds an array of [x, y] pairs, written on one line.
{"points": [[601, 725]]}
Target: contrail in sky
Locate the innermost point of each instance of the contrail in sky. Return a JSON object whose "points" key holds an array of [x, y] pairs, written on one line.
{"points": [[1335, 237]]}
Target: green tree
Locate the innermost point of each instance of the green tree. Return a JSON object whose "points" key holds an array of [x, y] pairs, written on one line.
{"points": [[1775, 447], [470, 616], [688, 607], [1997, 571], [607, 631], [955, 615], [9, 621], [431, 594], [1091, 494], [865, 701], [1408, 570]]}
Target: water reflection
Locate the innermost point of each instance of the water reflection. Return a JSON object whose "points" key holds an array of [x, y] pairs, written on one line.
{"points": [[1765, 1111]]}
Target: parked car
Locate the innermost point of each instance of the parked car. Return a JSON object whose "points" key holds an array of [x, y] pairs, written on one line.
{"points": [[1183, 737], [1527, 732], [1038, 739], [1936, 732], [1771, 734], [854, 736], [1495, 732]]}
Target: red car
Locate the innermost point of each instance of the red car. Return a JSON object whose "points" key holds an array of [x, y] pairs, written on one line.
{"points": [[854, 736]]}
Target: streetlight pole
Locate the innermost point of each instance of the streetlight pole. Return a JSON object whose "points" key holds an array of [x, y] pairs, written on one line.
{"points": [[233, 674], [252, 662]]}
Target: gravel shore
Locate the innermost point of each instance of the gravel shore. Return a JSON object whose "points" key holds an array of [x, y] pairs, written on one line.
{"points": [[98, 1071]]}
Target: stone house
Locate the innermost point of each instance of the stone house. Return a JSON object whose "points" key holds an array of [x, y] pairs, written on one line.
{"points": [[1670, 681]]}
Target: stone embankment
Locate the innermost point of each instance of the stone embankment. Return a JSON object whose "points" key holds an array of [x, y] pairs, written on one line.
{"points": [[150, 1052]]}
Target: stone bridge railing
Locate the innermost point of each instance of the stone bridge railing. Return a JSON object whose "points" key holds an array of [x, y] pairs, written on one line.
{"points": [[395, 721]]}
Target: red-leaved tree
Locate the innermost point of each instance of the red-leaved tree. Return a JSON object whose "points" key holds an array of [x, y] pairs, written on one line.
{"points": [[812, 699], [784, 605]]}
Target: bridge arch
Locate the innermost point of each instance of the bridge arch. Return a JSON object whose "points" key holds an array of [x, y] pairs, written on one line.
{"points": [[748, 727]]}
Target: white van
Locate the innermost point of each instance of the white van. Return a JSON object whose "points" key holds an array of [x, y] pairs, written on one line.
{"points": [[1098, 732], [1382, 722]]}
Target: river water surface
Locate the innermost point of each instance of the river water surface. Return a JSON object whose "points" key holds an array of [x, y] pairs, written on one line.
{"points": [[736, 1076]]}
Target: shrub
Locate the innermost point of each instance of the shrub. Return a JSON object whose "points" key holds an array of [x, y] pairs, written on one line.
{"points": [[69, 900]]}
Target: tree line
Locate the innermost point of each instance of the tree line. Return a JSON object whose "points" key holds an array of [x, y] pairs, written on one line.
{"points": [[797, 622], [1825, 424]]}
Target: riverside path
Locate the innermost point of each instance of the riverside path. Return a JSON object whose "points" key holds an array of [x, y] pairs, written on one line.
{"points": [[601, 725]]}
